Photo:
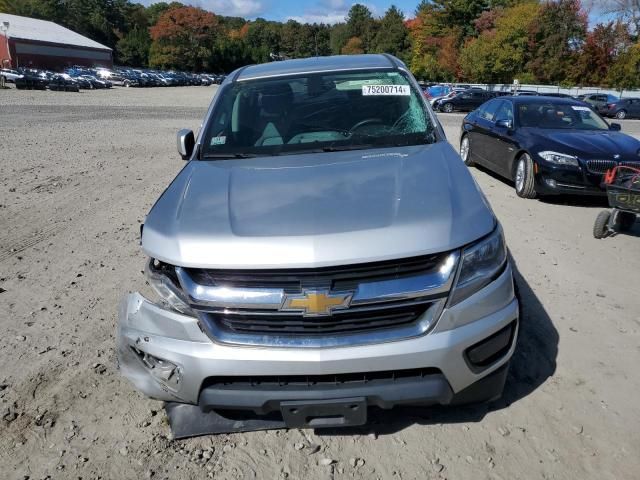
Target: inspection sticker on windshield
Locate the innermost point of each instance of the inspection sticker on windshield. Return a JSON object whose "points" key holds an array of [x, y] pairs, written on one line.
{"points": [[385, 90], [218, 140], [581, 109]]}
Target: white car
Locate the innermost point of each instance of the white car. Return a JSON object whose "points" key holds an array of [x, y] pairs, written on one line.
{"points": [[10, 76]]}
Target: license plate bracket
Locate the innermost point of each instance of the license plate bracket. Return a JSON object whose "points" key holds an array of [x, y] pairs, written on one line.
{"points": [[340, 412]]}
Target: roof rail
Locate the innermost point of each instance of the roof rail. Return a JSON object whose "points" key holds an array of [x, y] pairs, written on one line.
{"points": [[392, 60], [238, 72]]}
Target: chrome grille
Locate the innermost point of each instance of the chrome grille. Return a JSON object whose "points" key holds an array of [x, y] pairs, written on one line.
{"points": [[601, 166], [340, 322], [387, 300]]}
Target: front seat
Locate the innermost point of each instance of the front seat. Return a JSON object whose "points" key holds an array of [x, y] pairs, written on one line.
{"points": [[275, 102]]}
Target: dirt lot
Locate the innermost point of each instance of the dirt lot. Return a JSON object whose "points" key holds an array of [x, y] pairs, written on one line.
{"points": [[78, 173]]}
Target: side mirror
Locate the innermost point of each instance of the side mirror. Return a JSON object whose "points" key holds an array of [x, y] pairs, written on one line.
{"points": [[616, 127], [504, 123], [186, 143]]}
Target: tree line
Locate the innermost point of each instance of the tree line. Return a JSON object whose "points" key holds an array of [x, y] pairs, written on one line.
{"points": [[487, 41]]}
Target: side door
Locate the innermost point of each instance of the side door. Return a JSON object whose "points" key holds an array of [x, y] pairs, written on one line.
{"points": [[600, 102], [484, 122], [634, 107], [503, 145], [462, 101], [477, 99]]}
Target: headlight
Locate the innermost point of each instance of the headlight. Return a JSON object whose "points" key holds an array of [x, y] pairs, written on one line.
{"points": [[158, 274], [480, 264], [559, 158]]}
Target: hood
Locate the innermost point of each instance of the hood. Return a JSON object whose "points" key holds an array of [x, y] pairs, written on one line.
{"points": [[598, 144], [315, 210]]}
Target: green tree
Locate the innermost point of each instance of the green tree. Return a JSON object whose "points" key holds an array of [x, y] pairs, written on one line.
{"points": [[624, 74], [338, 37], [361, 24], [500, 55], [133, 48], [393, 35], [556, 39]]}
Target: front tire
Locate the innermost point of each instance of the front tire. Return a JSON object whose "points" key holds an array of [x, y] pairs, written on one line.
{"points": [[465, 151], [621, 115], [600, 227], [447, 108], [524, 177]]}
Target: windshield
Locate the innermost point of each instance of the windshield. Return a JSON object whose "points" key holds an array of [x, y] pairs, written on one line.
{"points": [[559, 116], [317, 112]]}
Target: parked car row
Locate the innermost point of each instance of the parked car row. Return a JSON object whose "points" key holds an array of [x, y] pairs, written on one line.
{"points": [[31, 79], [131, 77], [468, 99], [76, 78]]}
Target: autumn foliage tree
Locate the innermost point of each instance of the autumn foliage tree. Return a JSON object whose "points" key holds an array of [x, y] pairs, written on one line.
{"points": [[354, 46], [183, 37], [599, 52]]}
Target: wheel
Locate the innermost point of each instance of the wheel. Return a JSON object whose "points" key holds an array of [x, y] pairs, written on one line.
{"points": [[447, 108], [524, 178], [465, 151], [625, 220], [621, 115], [600, 228], [127, 83]]}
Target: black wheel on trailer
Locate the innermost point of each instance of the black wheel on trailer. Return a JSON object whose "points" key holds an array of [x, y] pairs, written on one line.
{"points": [[601, 226]]}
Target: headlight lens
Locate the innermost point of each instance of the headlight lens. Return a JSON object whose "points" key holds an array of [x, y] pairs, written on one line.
{"points": [[480, 263], [165, 287], [559, 158]]}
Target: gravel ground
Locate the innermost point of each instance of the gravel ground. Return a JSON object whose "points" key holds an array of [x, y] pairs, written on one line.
{"points": [[78, 173]]}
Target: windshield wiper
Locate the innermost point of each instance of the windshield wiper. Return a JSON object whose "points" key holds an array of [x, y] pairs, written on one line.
{"points": [[343, 148], [226, 156]]}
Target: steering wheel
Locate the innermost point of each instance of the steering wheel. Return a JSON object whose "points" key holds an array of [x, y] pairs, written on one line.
{"points": [[364, 122]]}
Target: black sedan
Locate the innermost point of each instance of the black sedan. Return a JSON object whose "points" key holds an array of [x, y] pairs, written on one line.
{"points": [[60, 83], [545, 145], [32, 81], [465, 101]]}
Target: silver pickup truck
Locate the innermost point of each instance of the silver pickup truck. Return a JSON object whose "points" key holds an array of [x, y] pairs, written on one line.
{"points": [[323, 250]]}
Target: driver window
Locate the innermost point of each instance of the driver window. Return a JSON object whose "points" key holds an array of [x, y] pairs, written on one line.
{"points": [[488, 110], [505, 111]]}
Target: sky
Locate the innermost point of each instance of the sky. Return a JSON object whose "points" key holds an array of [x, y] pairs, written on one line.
{"points": [[326, 11]]}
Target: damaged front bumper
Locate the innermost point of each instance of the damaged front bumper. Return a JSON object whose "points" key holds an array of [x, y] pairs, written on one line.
{"points": [[167, 356]]}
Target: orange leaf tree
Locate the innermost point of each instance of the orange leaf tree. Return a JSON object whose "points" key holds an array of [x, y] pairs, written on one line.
{"points": [[184, 37]]}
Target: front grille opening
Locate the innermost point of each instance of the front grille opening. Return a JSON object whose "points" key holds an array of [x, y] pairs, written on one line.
{"points": [[347, 322], [338, 278], [601, 166], [269, 382]]}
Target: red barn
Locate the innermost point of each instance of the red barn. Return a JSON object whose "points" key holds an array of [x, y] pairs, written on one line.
{"points": [[27, 42]]}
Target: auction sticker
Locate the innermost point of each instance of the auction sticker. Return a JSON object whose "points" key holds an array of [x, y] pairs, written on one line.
{"points": [[218, 141], [386, 90]]}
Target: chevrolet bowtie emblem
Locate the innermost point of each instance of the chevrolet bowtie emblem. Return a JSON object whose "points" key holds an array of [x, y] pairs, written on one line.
{"points": [[316, 302]]}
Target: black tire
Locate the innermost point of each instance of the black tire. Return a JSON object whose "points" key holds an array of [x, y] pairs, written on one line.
{"points": [[621, 115], [447, 108], [600, 228], [525, 186], [466, 157], [625, 221]]}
